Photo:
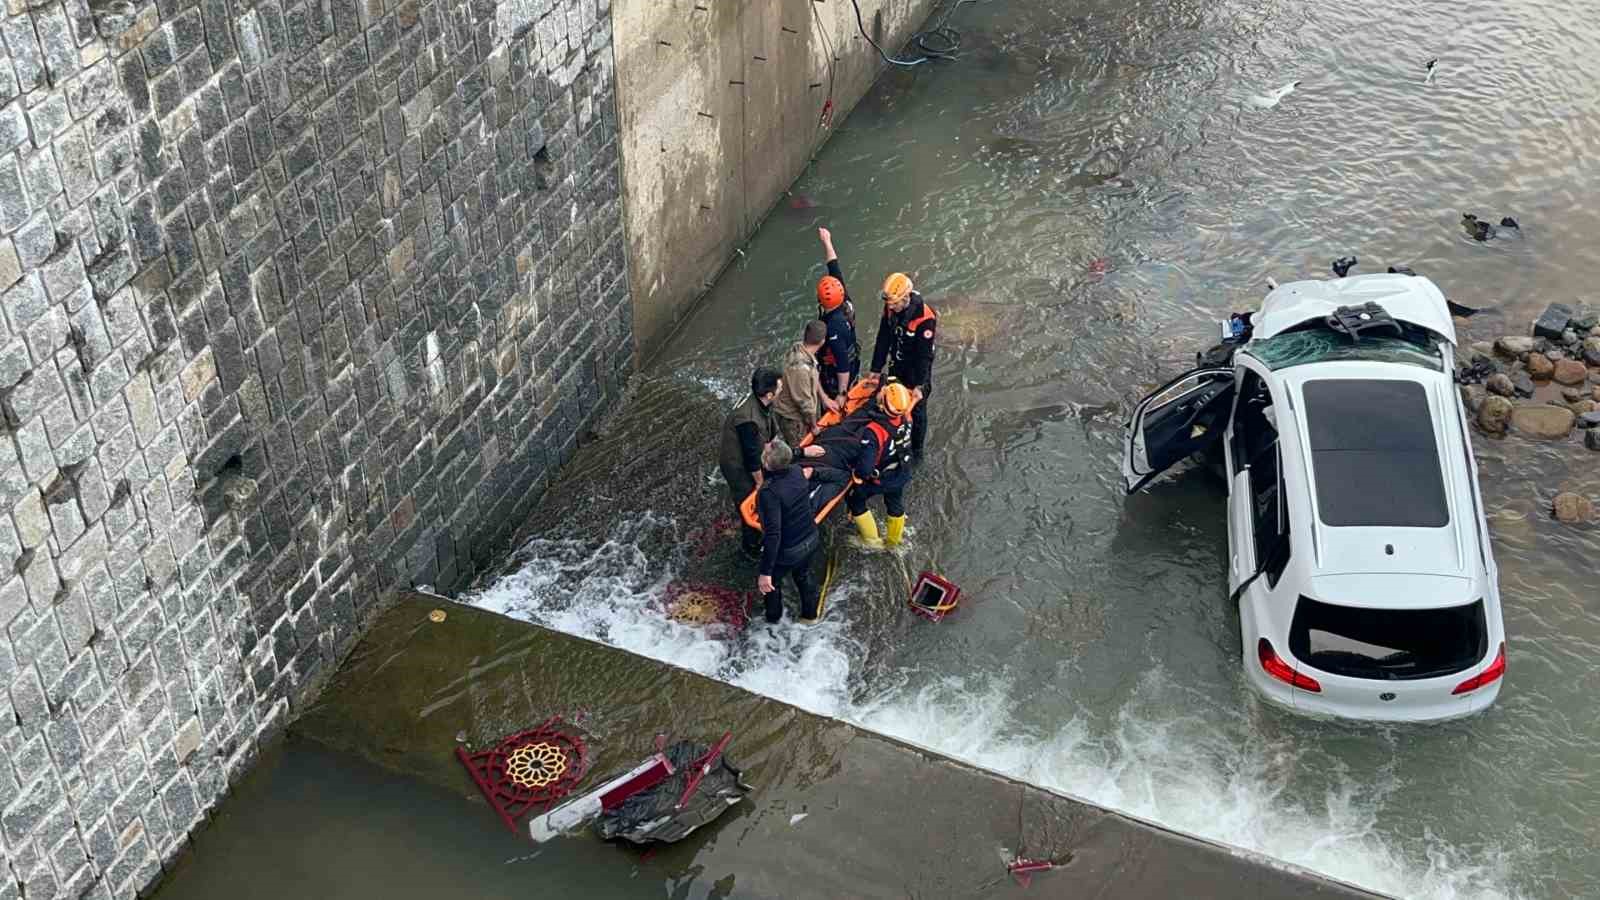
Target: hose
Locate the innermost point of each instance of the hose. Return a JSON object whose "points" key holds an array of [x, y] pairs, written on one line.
{"points": [[938, 42]]}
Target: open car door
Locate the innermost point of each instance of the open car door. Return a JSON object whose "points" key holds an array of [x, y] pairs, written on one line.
{"points": [[1181, 418]]}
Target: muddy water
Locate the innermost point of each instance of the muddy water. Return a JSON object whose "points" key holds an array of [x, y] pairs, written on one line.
{"points": [[1081, 196]]}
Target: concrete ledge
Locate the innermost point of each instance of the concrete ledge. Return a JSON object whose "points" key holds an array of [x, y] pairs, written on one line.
{"points": [[883, 819]]}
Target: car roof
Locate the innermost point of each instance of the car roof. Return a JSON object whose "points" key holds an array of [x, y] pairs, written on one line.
{"points": [[1421, 554], [1407, 298]]}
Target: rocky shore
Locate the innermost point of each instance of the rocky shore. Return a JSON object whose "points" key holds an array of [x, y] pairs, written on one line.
{"points": [[1543, 387]]}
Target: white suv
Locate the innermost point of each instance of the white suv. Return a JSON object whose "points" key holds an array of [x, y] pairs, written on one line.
{"points": [[1360, 558]]}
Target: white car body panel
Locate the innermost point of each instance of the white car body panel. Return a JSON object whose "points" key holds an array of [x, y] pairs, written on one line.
{"points": [[1405, 297]]}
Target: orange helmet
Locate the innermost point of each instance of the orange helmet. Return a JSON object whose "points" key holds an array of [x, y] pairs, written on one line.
{"points": [[896, 287], [830, 293], [895, 399]]}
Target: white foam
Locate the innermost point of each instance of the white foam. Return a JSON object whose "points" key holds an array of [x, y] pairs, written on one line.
{"points": [[1187, 773]]}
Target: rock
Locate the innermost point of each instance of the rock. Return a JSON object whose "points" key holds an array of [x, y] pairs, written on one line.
{"points": [[1585, 319], [1555, 354], [1472, 396], [1570, 371], [1573, 508], [1513, 347], [1494, 414], [1597, 392], [1553, 321], [1569, 337], [1500, 384], [1540, 366], [1591, 357], [1574, 394], [1589, 419], [1481, 348], [1543, 422], [1523, 384], [1591, 439], [1582, 408]]}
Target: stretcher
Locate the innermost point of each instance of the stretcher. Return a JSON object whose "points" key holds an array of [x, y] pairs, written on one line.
{"points": [[825, 494]]}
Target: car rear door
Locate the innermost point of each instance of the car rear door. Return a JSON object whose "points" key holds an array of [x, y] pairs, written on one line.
{"points": [[1180, 418]]}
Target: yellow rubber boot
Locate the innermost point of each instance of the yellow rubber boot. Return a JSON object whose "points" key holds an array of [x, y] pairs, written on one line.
{"points": [[896, 528], [867, 526]]}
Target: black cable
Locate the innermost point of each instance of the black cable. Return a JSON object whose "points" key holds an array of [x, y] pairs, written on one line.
{"points": [[938, 42]]}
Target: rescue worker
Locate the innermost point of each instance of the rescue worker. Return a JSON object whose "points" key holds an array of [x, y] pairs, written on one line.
{"points": [[905, 346], [789, 539], [839, 361], [875, 445], [802, 400], [745, 431]]}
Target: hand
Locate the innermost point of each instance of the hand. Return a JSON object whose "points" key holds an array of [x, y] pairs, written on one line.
{"points": [[825, 235], [871, 378], [760, 476], [806, 471], [916, 394], [764, 584], [830, 404], [811, 451]]}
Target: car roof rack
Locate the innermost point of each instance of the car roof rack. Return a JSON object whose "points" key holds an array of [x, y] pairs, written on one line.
{"points": [[1355, 321]]}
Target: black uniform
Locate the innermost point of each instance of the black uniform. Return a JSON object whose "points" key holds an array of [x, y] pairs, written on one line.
{"points": [[789, 539], [840, 352], [877, 449], [905, 344]]}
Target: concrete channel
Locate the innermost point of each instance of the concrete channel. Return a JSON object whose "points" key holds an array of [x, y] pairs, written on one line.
{"points": [[368, 776]]}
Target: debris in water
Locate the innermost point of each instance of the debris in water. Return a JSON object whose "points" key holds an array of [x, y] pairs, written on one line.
{"points": [[701, 604], [1099, 266], [527, 769], [1508, 222], [796, 819], [1269, 100], [1023, 869], [1433, 66], [802, 201], [436, 616], [933, 597], [1476, 228], [1343, 265]]}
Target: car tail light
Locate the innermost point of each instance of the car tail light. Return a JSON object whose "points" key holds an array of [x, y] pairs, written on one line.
{"points": [[1274, 665], [1495, 672]]}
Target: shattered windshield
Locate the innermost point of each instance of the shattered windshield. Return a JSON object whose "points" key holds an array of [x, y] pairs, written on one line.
{"points": [[1296, 348]]}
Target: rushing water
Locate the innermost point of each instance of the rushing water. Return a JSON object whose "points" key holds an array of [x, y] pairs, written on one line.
{"points": [[1081, 195]]}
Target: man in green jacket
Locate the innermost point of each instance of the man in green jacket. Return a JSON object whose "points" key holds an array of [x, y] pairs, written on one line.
{"points": [[802, 399], [745, 431]]}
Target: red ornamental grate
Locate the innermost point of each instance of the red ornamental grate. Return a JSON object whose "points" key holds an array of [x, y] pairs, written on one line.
{"points": [[528, 769], [706, 604], [706, 539]]}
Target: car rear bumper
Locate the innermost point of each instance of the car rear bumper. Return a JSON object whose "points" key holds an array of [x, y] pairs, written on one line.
{"points": [[1343, 702]]}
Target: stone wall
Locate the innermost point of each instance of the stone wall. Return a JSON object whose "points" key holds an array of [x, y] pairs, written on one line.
{"points": [[302, 302]]}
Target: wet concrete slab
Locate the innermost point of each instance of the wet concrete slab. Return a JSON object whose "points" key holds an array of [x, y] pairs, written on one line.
{"points": [[881, 818]]}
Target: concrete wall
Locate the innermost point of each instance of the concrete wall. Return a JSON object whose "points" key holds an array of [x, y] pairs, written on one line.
{"points": [[719, 102], [302, 300]]}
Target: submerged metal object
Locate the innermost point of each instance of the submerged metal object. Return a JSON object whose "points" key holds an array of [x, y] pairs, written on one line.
{"points": [[527, 769], [933, 597], [702, 785]]}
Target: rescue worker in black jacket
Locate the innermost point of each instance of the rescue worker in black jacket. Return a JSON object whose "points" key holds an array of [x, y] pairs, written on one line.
{"points": [[875, 445], [839, 360], [789, 540], [745, 431], [905, 346]]}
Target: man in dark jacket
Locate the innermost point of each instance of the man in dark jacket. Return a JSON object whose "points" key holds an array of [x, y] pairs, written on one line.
{"points": [[839, 360], [746, 430], [789, 534], [905, 345]]}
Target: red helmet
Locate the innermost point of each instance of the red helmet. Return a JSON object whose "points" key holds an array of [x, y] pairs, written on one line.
{"points": [[830, 293]]}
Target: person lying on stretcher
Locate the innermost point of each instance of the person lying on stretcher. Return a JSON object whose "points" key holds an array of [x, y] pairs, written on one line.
{"points": [[872, 444]]}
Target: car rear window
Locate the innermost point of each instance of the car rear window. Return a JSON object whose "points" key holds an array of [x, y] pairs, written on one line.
{"points": [[1388, 644], [1373, 454]]}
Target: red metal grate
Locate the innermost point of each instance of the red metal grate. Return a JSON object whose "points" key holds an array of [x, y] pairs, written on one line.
{"points": [[528, 769], [707, 604]]}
